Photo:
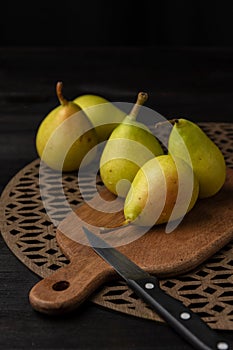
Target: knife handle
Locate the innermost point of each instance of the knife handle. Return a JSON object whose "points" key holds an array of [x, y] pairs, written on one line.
{"points": [[181, 318]]}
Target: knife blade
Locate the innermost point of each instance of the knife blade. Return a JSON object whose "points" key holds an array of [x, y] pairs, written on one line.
{"points": [[186, 323]]}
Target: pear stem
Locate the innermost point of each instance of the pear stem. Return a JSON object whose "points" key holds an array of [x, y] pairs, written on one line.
{"points": [[60, 96], [141, 99], [171, 121], [114, 227]]}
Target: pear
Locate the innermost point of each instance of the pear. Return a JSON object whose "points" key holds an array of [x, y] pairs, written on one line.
{"points": [[164, 189], [129, 146], [189, 142], [65, 136], [104, 115]]}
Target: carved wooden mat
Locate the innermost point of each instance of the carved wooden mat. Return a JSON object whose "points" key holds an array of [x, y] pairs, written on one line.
{"points": [[29, 233]]}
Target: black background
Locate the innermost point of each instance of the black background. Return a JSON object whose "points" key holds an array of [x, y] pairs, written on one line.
{"points": [[106, 23]]}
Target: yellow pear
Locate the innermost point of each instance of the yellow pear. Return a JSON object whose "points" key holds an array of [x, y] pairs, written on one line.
{"points": [[65, 136], [104, 115], [189, 142], [129, 146], [164, 189]]}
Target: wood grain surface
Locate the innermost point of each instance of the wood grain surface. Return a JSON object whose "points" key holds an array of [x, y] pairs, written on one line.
{"points": [[203, 231]]}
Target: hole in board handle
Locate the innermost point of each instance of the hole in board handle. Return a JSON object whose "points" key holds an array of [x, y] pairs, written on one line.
{"points": [[60, 286]]}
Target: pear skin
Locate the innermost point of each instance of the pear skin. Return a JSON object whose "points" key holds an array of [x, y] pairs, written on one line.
{"points": [[189, 142], [163, 189], [127, 149], [65, 136], [129, 146], [104, 115]]}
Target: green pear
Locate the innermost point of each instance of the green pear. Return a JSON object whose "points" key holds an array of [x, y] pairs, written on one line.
{"points": [[189, 142], [104, 115], [129, 146], [164, 189], [65, 136]]}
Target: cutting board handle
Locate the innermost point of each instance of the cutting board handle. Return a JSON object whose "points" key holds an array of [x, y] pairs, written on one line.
{"points": [[69, 286]]}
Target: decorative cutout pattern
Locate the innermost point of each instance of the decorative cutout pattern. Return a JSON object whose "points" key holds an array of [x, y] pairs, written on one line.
{"points": [[29, 233]]}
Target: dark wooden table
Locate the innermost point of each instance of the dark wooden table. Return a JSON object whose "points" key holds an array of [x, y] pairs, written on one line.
{"points": [[188, 82]]}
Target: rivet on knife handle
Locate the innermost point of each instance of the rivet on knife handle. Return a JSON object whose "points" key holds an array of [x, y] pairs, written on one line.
{"points": [[182, 319]]}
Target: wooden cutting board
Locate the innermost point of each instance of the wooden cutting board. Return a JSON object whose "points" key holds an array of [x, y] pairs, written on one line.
{"points": [[205, 229]]}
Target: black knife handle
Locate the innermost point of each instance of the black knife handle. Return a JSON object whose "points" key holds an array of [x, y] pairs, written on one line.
{"points": [[188, 324]]}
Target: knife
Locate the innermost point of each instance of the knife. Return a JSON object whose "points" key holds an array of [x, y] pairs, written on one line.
{"points": [[186, 323]]}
